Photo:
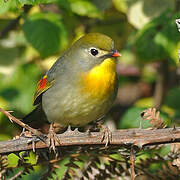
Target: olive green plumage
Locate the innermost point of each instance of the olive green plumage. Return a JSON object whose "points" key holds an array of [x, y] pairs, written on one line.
{"points": [[97, 40], [83, 84]]}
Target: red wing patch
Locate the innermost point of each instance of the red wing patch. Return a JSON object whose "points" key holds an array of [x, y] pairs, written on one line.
{"points": [[42, 83], [42, 86]]}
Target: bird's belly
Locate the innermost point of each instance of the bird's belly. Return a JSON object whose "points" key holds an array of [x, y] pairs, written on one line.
{"points": [[83, 101], [72, 107]]}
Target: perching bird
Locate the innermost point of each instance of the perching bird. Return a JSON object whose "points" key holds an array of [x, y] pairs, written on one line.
{"points": [[80, 87]]}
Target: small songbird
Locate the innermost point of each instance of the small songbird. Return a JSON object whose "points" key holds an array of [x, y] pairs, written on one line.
{"points": [[80, 87]]}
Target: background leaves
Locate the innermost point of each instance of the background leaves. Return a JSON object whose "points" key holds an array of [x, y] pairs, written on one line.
{"points": [[45, 32], [160, 37], [34, 33]]}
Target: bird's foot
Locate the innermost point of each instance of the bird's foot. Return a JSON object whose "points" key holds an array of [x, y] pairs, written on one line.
{"points": [[32, 138], [27, 134], [52, 139], [106, 134]]}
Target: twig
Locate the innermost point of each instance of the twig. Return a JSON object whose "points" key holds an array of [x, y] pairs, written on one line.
{"points": [[2, 172], [16, 175], [10, 27], [13, 23], [19, 122]]}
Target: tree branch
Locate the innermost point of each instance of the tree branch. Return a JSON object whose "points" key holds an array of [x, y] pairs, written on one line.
{"points": [[124, 137], [19, 122], [13, 23], [135, 137]]}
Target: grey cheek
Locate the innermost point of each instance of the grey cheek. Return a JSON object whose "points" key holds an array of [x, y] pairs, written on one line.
{"points": [[85, 61]]}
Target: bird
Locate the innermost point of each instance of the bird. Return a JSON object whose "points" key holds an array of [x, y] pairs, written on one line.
{"points": [[79, 88]]}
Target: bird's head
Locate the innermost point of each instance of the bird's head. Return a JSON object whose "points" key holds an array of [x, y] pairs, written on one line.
{"points": [[91, 50]]}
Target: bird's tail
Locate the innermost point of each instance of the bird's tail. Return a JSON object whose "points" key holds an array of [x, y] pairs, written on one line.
{"points": [[37, 119]]}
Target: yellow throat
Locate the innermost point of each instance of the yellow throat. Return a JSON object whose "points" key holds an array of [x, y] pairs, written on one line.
{"points": [[100, 81]]}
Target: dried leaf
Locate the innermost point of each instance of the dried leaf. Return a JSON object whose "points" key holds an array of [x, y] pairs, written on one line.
{"points": [[176, 162], [153, 116]]}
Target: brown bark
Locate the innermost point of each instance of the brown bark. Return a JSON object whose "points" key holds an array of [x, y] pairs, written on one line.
{"points": [[135, 137]]}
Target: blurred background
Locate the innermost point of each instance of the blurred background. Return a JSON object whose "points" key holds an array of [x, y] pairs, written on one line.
{"points": [[33, 34]]}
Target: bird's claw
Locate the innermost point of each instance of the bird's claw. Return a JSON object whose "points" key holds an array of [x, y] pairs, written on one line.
{"points": [[52, 139], [33, 138], [106, 135]]}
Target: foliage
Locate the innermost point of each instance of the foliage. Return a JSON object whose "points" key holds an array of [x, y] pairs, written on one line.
{"points": [[100, 163], [50, 34], [33, 33], [161, 37]]}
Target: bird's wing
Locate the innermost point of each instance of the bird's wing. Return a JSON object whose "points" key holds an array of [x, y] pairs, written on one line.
{"points": [[47, 81], [43, 85]]}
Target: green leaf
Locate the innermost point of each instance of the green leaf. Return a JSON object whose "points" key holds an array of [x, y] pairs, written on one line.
{"points": [[4, 137], [12, 160], [165, 150], [81, 7], [158, 39], [64, 4], [46, 33], [173, 98], [102, 4], [31, 158], [8, 55], [132, 118], [120, 5], [141, 12], [84, 8], [34, 2], [4, 6], [60, 172], [7, 5], [3, 104], [14, 87]]}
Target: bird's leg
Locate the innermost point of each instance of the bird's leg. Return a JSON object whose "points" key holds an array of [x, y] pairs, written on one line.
{"points": [[106, 133], [94, 126], [52, 138], [23, 131], [33, 138]]}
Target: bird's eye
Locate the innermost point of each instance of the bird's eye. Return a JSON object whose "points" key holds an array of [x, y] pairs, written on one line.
{"points": [[94, 51]]}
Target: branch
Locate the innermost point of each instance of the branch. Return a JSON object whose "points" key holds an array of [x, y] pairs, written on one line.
{"points": [[124, 137], [10, 27], [19, 122], [13, 23], [135, 137]]}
